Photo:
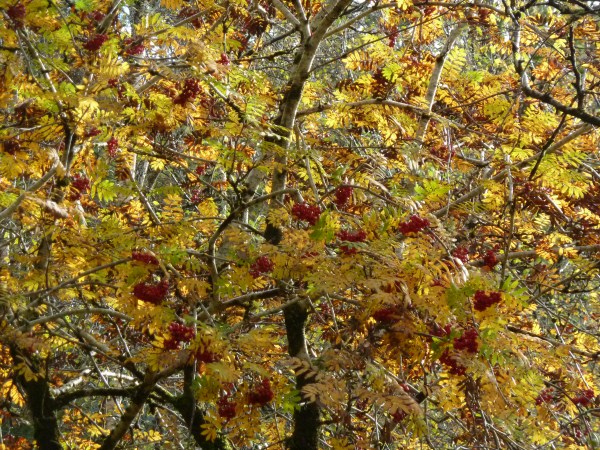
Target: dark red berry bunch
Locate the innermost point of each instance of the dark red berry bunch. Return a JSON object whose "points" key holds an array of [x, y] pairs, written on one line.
{"points": [[467, 342], [585, 398], [189, 91], [197, 196], [152, 293], [387, 315], [206, 356], [17, 14], [262, 265], [96, 16], [306, 212], [92, 132], [224, 59], [351, 236], [11, 146], [201, 169], [226, 407], [79, 185], [451, 361], [94, 43], [413, 225], [547, 395], [178, 333], [261, 394], [143, 257], [490, 259], [441, 332], [483, 300], [112, 147], [132, 47], [399, 416], [342, 195], [461, 253]]}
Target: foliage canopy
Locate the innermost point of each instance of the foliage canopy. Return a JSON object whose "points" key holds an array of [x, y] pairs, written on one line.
{"points": [[299, 224]]}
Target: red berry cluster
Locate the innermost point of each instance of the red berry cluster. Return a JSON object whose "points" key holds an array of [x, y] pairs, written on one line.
{"points": [[413, 225], [490, 259], [178, 333], [399, 416], [201, 169], [96, 16], [17, 14], [342, 195], [262, 393], [190, 90], [11, 146], [133, 47], [224, 59], [455, 367], [206, 356], [351, 236], [92, 132], [197, 196], [585, 398], [548, 395], [440, 332], [262, 265], [144, 257], [226, 407], [386, 315], [467, 342], [112, 147], [79, 185], [461, 253], [94, 43], [483, 300], [152, 293], [306, 212]]}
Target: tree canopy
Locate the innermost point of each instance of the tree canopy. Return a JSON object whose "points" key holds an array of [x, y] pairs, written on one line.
{"points": [[299, 224]]}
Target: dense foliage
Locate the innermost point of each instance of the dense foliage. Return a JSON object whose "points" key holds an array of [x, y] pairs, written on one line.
{"points": [[299, 224]]}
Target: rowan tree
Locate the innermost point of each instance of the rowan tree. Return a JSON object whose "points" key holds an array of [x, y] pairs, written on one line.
{"points": [[299, 224]]}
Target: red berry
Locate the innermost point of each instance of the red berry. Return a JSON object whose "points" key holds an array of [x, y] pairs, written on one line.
{"points": [[152, 293], [413, 225], [306, 212], [455, 367], [399, 416], [342, 195], [189, 91], [482, 301], [112, 147], [438, 331], [224, 59], [178, 333], [261, 266], [133, 46], [94, 43], [11, 146], [79, 185], [226, 407], [206, 356], [262, 393], [467, 342], [349, 236], [201, 169], [585, 398], [387, 315], [17, 14], [490, 259], [546, 396], [461, 253], [96, 16], [92, 132], [144, 257]]}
